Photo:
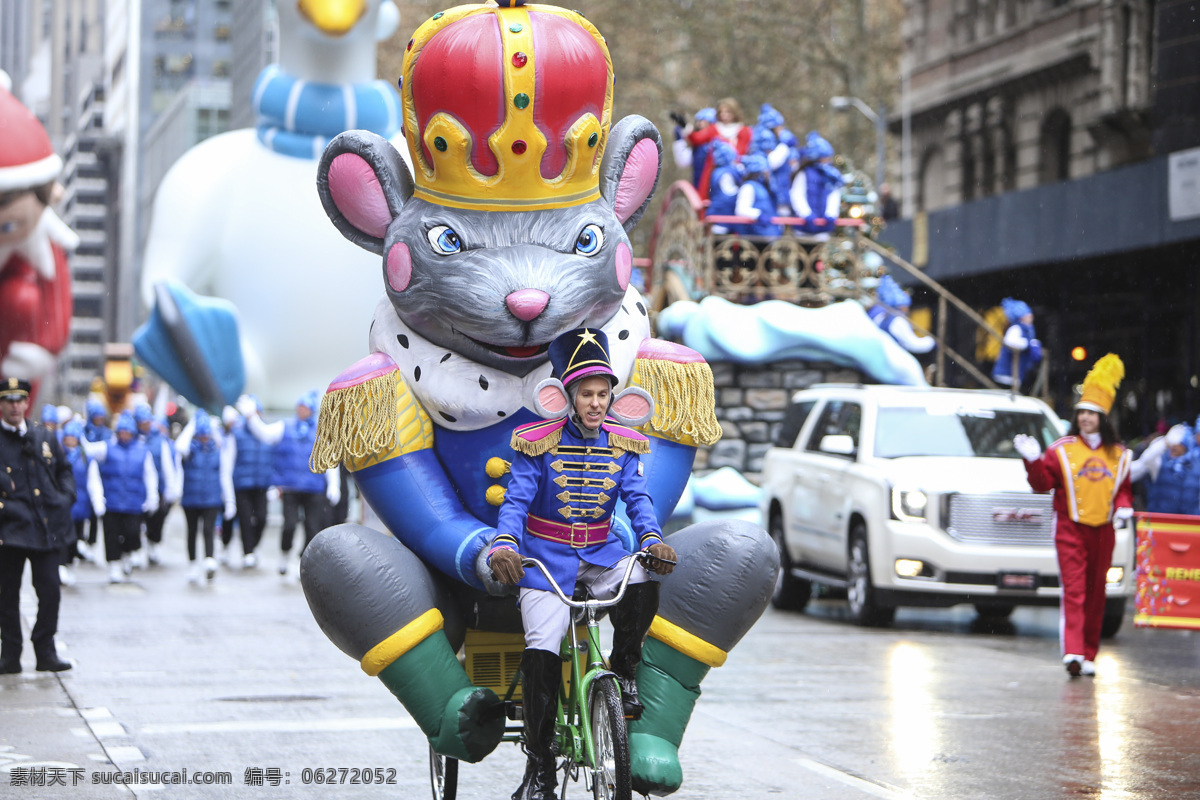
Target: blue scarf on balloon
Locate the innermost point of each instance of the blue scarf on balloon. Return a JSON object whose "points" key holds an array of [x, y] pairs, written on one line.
{"points": [[298, 118]]}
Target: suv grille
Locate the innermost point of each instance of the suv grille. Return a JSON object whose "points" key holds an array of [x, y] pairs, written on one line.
{"points": [[1008, 518]]}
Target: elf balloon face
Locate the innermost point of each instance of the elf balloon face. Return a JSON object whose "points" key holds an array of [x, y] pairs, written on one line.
{"points": [[512, 227], [19, 217]]}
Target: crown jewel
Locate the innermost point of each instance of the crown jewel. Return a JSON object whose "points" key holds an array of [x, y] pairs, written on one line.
{"points": [[507, 107]]}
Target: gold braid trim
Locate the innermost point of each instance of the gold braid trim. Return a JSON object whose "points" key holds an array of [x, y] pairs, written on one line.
{"points": [[684, 400], [619, 443], [540, 447], [355, 422]]}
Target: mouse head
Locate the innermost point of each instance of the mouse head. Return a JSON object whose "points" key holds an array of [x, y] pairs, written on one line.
{"points": [[513, 225]]}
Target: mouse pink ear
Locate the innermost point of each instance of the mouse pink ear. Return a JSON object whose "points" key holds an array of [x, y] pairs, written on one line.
{"points": [[632, 407], [363, 183], [550, 399], [631, 166]]}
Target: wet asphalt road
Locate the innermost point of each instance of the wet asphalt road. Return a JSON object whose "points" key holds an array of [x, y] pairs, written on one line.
{"points": [[235, 677]]}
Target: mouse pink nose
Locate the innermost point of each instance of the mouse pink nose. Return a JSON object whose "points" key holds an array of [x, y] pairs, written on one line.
{"points": [[526, 304]]}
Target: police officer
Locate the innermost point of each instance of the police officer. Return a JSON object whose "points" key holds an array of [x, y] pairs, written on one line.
{"points": [[37, 488]]}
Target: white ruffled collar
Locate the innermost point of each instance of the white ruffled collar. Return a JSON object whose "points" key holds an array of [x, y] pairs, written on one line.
{"points": [[463, 395]]}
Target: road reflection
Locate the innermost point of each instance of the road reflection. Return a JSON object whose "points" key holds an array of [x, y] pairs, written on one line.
{"points": [[916, 738]]}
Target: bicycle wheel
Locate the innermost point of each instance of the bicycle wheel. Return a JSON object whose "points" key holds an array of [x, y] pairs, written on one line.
{"points": [[610, 773], [443, 775]]}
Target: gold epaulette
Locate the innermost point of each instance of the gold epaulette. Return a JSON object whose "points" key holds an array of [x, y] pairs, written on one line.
{"points": [[368, 420], [538, 438], [681, 383]]}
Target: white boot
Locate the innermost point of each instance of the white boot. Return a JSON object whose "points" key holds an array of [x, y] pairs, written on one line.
{"points": [[137, 559], [250, 561], [126, 564], [223, 554], [84, 550], [1088, 669], [115, 573], [65, 576], [154, 553], [194, 572], [210, 568], [283, 564]]}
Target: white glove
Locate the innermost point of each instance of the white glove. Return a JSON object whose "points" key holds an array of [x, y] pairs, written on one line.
{"points": [[246, 406], [273, 493], [230, 510], [1123, 513], [151, 504], [333, 493], [1027, 446], [99, 508]]}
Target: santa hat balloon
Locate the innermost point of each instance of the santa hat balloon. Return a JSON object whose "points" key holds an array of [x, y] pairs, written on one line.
{"points": [[27, 160]]}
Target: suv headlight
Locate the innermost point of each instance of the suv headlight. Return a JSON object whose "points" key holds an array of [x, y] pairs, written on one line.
{"points": [[909, 505]]}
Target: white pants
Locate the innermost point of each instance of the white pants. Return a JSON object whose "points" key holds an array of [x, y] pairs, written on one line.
{"points": [[546, 618]]}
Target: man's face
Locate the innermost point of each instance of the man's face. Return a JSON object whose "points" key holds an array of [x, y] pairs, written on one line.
{"points": [[19, 218], [303, 412], [12, 410], [591, 401]]}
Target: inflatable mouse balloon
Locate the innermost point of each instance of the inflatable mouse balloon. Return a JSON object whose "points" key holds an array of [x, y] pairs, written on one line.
{"points": [[510, 229]]}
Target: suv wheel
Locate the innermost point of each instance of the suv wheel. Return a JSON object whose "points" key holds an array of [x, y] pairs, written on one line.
{"points": [[791, 593], [860, 593]]}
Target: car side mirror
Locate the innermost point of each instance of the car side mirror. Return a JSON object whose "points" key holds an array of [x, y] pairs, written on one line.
{"points": [[838, 444]]}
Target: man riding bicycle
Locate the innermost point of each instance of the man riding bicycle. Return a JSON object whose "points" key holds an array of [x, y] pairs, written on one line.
{"points": [[567, 475]]}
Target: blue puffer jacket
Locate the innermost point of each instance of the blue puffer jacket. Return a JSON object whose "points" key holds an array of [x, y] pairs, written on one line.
{"points": [[124, 478], [1177, 488], [255, 460], [291, 458], [1030, 357], [82, 508], [202, 476], [764, 201]]}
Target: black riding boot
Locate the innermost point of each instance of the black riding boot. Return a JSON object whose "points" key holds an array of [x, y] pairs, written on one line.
{"points": [[541, 673], [631, 620]]}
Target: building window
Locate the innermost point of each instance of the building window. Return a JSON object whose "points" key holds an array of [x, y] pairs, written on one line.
{"points": [[1055, 147], [931, 191]]}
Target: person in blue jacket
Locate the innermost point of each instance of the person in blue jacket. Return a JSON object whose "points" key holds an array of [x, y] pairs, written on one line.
{"points": [[724, 184], [130, 492], [754, 199], [686, 155], [1020, 345], [890, 315], [95, 429], [782, 157], [252, 469], [207, 489], [816, 192], [304, 492], [573, 536], [170, 480], [89, 493]]}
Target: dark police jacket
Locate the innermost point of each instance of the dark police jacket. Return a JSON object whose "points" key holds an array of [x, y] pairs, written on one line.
{"points": [[37, 488]]}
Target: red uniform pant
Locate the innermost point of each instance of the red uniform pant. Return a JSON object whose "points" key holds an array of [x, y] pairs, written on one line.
{"points": [[1084, 556]]}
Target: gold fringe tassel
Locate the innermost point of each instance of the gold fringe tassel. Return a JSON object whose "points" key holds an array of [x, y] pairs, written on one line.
{"points": [[684, 400], [625, 443], [355, 422], [541, 446]]}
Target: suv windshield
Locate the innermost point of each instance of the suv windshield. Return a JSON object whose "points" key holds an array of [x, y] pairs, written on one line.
{"points": [[978, 432]]}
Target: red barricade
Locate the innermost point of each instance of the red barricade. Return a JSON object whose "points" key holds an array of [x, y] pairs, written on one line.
{"points": [[1168, 571]]}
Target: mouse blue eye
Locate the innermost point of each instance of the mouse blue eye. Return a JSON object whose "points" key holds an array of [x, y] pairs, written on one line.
{"points": [[589, 241], [444, 240]]}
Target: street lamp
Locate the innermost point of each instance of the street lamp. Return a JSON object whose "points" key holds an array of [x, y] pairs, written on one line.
{"points": [[841, 103]]}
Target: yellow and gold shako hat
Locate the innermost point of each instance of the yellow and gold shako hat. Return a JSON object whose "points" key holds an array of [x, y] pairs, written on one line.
{"points": [[1100, 384], [507, 107]]}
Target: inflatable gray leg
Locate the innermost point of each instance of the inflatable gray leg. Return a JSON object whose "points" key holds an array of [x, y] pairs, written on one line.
{"points": [[380, 605], [722, 584]]}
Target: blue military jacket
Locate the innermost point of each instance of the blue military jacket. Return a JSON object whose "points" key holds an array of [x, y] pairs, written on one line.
{"points": [[563, 484]]}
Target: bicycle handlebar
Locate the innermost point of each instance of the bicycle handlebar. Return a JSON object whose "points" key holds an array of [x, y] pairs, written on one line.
{"points": [[641, 555]]}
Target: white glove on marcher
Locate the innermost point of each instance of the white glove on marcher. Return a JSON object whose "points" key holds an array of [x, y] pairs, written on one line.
{"points": [[230, 510], [1123, 513], [246, 406], [333, 492], [1027, 446]]}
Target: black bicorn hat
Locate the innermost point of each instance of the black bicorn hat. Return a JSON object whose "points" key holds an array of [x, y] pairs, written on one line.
{"points": [[581, 353], [14, 388]]}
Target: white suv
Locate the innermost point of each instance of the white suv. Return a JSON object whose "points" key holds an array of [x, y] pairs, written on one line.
{"points": [[907, 496]]}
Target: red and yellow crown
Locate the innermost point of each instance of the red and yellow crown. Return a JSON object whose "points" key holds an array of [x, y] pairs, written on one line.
{"points": [[507, 107]]}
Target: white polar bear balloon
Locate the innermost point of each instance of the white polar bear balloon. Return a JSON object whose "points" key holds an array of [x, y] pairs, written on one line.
{"points": [[238, 217]]}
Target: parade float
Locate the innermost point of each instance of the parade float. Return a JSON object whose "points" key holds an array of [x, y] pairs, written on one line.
{"points": [[510, 229]]}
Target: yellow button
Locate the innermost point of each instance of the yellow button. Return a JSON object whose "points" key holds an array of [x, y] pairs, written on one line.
{"points": [[37, 492], [495, 495], [496, 467]]}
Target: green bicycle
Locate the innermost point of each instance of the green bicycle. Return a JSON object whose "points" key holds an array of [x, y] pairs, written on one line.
{"points": [[592, 740]]}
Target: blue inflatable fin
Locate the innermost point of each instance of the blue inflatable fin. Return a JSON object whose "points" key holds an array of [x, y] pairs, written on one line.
{"points": [[193, 343]]}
